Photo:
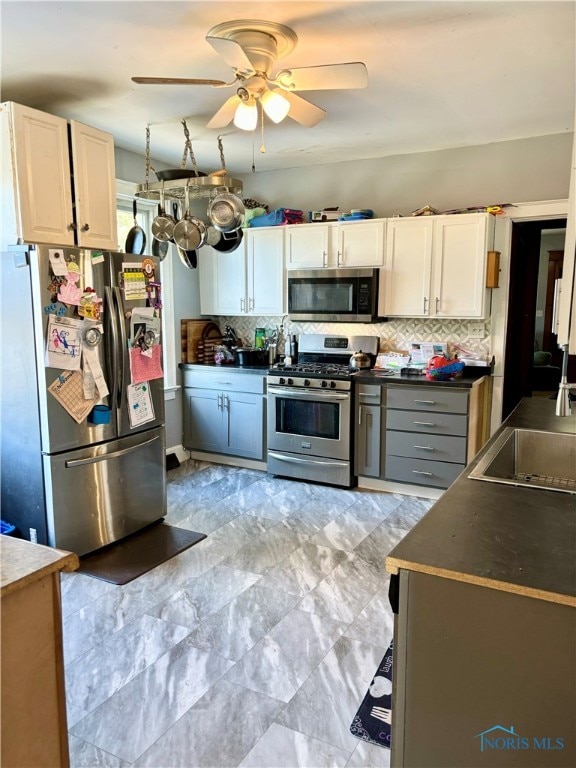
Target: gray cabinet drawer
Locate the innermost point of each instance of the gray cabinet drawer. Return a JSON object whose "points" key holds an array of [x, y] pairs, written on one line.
{"points": [[432, 423], [369, 394], [423, 446], [224, 380], [434, 399], [434, 474]]}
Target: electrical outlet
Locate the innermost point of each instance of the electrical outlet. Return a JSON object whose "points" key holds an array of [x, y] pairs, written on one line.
{"points": [[476, 331]]}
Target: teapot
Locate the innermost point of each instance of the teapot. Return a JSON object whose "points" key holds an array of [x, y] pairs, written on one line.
{"points": [[360, 360]]}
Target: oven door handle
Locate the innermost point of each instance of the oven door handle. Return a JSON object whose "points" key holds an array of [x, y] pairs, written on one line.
{"points": [[314, 395], [294, 460]]}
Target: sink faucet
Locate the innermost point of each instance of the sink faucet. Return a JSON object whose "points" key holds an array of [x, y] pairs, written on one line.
{"points": [[563, 399]]}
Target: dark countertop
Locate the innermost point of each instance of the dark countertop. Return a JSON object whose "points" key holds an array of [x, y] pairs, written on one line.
{"points": [[262, 370], [378, 377], [520, 540]]}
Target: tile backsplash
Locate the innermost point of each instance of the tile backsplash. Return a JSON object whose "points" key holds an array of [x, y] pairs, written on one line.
{"points": [[394, 334]]}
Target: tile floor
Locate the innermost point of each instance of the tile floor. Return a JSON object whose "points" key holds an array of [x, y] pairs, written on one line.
{"points": [[253, 648]]}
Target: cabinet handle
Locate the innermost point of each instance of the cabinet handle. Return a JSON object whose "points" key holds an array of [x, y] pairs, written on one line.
{"points": [[324, 258], [340, 259], [419, 472], [437, 304], [250, 304], [359, 414], [425, 423], [71, 227], [427, 402], [425, 302], [424, 447], [220, 399], [226, 401], [85, 228], [242, 302]]}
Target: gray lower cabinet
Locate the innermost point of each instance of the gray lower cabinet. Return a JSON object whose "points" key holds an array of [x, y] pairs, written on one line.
{"points": [[482, 677], [426, 435], [219, 417], [368, 430]]}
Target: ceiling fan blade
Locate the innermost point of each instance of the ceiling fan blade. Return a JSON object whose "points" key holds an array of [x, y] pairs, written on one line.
{"points": [[325, 77], [176, 81], [225, 114], [232, 53], [303, 111]]}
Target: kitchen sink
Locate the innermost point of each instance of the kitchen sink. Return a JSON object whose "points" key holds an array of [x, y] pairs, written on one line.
{"points": [[530, 458]]}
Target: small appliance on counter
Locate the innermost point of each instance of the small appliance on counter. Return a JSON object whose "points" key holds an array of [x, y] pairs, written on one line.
{"points": [[310, 409]]}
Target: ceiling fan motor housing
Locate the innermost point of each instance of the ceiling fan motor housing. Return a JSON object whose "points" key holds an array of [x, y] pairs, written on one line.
{"points": [[263, 41]]}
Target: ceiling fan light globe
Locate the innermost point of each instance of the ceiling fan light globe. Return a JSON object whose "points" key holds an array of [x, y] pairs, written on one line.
{"points": [[275, 106], [246, 116]]}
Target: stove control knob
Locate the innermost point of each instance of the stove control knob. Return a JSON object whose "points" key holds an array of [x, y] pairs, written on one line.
{"points": [[290, 382], [332, 385], [306, 382], [282, 381], [323, 384]]}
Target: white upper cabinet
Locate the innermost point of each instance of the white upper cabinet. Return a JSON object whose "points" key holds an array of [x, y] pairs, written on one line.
{"points": [[436, 266], [94, 186], [307, 246], [337, 245], [247, 281], [38, 201], [360, 243]]}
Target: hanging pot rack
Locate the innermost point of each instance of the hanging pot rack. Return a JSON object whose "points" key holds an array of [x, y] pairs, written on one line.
{"points": [[198, 186]]}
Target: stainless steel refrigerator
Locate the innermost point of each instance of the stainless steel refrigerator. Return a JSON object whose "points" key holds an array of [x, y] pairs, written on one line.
{"points": [[76, 486]]}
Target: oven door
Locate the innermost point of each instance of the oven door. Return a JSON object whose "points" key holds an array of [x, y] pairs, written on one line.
{"points": [[309, 422]]}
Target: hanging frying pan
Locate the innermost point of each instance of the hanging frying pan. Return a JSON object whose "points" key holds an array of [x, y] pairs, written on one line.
{"points": [[136, 238], [188, 257], [163, 224], [229, 241], [189, 232], [160, 247]]}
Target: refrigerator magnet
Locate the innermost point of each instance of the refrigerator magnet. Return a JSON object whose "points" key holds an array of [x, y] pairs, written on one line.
{"points": [[58, 262], [148, 268]]}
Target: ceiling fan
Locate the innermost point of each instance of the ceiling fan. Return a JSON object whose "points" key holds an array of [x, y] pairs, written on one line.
{"points": [[251, 49]]}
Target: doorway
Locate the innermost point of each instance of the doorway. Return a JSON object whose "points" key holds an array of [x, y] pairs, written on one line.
{"points": [[532, 359]]}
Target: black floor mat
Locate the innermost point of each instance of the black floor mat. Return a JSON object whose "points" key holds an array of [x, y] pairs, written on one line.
{"points": [[138, 553], [372, 722]]}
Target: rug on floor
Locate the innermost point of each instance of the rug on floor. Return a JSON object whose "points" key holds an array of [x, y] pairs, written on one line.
{"points": [[373, 720], [125, 560]]}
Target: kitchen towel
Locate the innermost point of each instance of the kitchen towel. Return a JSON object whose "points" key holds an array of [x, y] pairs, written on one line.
{"points": [[373, 720]]}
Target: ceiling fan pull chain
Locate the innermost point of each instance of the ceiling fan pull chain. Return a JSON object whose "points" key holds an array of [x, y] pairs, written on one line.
{"points": [[262, 146]]}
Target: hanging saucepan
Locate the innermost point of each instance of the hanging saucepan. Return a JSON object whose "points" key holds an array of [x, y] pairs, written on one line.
{"points": [[136, 237], [163, 224], [226, 212], [229, 241], [189, 232], [160, 247]]}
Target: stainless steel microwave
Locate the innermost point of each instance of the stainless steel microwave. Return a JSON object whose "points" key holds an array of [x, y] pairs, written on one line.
{"points": [[333, 295]]}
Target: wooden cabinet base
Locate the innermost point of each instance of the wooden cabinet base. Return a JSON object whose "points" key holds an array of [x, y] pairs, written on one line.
{"points": [[33, 702]]}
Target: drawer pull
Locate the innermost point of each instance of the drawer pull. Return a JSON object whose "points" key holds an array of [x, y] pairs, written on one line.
{"points": [[419, 472], [425, 423], [425, 447], [428, 402]]}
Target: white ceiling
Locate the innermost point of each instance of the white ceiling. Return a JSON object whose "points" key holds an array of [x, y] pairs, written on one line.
{"points": [[441, 74]]}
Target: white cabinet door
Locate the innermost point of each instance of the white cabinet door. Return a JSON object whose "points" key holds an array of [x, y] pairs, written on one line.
{"points": [[265, 271], [94, 186], [206, 278], [307, 246], [41, 165], [406, 278], [360, 244], [230, 282], [459, 273]]}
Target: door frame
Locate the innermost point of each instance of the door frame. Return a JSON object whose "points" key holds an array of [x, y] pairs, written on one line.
{"points": [[541, 210]]}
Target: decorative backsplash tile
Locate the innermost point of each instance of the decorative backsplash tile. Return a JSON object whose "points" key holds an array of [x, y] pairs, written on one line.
{"points": [[393, 335]]}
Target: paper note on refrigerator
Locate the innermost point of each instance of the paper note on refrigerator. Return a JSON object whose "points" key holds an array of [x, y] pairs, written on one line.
{"points": [[63, 343], [145, 368], [140, 408], [68, 389], [134, 281]]}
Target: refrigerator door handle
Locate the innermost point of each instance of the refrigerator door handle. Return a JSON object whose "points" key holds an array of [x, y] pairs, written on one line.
{"points": [[106, 456], [123, 344], [115, 344]]}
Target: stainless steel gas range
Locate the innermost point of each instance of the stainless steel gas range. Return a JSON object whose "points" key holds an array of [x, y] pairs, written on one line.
{"points": [[310, 410]]}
